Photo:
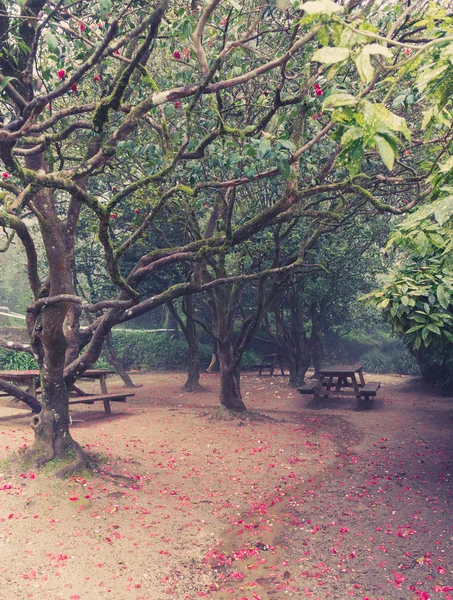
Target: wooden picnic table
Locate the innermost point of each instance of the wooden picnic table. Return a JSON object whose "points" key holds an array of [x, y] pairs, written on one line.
{"points": [[272, 362], [341, 380], [30, 379]]}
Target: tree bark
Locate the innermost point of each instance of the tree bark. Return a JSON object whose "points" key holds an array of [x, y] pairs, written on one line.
{"points": [[193, 359], [298, 365], [230, 378], [189, 330], [46, 328]]}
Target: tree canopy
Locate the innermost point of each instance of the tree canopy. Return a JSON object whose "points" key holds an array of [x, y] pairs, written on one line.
{"points": [[224, 121]]}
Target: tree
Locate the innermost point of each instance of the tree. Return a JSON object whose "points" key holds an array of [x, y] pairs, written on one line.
{"points": [[417, 301], [308, 305], [109, 108]]}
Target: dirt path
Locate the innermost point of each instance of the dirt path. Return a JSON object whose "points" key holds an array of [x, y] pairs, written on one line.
{"points": [[300, 501]]}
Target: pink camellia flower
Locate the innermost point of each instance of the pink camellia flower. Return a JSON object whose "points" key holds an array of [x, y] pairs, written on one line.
{"points": [[177, 55], [113, 215], [136, 211], [177, 104], [407, 51], [5, 175], [97, 78], [74, 87], [82, 27], [318, 91], [223, 22], [61, 74]]}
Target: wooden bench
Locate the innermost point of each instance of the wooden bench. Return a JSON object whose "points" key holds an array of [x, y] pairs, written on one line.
{"points": [[106, 399], [309, 388], [370, 389]]}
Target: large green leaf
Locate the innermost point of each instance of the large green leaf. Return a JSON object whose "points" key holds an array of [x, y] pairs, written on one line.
{"points": [[447, 166], [443, 295], [364, 67], [284, 168], [264, 147], [352, 157], [351, 135], [330, 55], [341, 99], [52, 41], [377, 49], [386, 151], [392, 121], [321, 7], [443, 209]]}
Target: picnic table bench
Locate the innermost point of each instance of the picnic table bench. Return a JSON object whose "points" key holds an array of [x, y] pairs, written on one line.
{"points": [[272, 362], [30, 379], [341, 380]]}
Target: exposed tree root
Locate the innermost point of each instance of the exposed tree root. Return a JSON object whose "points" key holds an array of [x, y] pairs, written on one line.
{"points": [[82, 461], [193, 387]]}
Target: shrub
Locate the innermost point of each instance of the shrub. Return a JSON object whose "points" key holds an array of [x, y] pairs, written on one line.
{"points": [[436, 365], [11, 360], [390, 357], [376, 361], [249, 359]]}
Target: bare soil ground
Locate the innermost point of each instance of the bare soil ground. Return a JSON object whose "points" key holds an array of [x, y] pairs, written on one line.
{"points": [[331, 500]]}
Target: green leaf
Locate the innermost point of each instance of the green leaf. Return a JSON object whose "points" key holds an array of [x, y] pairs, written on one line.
{"points": [[433, 328], [284, 168], [428, 74], [287, 144], [427, 116], [5, 82], [352, 157], [321, 7], [392, 121], [386, 151], [415, 328], [443, 296], [385, 303], [335, 100], [330, 55], [404, 300], [364, 67], [437, 240], [323, 36], [377, 49], [447, 165], [52, 41], [106, 4], [351, 135], [264, 147], [443, 209]]}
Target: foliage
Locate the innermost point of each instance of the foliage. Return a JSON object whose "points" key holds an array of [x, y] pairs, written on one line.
{"points": [[374, 350], [417, 300], [394, 360], [167, 142], [150, 351], [16, 361]]}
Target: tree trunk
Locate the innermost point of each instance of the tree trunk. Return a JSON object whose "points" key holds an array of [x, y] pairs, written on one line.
{"points": [[46, 329], [230, 378], [51, 426], [298, 365], [116, 362], [193, 367]]}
